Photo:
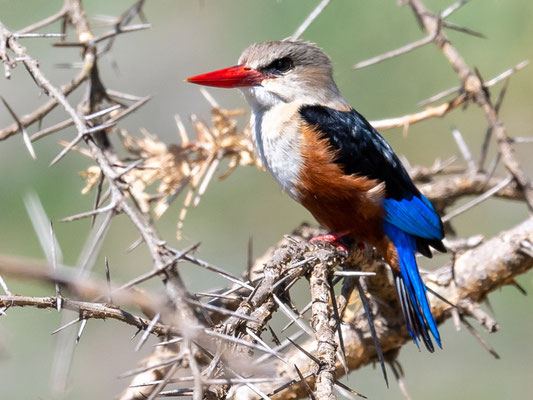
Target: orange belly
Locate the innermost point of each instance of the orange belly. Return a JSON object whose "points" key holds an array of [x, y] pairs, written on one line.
{"points": [[341, 202], [353, 214]]}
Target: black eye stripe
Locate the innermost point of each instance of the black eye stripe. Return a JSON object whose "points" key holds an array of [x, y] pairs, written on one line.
{"points": [[281, 65]]}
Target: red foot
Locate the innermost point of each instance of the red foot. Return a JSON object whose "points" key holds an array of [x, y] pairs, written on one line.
{"points": [[332, 238]]}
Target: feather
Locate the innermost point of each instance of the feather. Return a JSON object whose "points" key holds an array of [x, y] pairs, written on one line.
{"points": [[361, 151], [414, 215], [411, 289]]}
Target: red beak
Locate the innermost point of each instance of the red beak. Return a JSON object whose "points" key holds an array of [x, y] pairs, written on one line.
{"points": [[232, 77]]}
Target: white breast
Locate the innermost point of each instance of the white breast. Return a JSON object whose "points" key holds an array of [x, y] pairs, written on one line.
{"points": [[277, 140]]}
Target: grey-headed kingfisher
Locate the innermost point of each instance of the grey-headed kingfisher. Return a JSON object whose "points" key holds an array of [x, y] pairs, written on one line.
{"points": [[326, 156]]}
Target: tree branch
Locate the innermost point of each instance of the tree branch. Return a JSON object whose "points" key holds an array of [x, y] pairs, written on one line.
{"points": [[478, 272]]}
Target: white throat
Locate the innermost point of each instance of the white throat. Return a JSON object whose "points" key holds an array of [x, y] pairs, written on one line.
{"points": [[277, 138], [276, 127], [260, 99]]}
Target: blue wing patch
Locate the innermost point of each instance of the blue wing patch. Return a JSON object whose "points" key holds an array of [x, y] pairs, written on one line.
{"points": [[414, 215]]}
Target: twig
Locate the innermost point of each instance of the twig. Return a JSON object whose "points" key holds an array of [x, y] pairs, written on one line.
{"points": [[446, 191], [452, 8], [53, 240], [338, 323], [51, 129], [147, 332], [65, 90], [81, 329], [503, 76], [442, 109], [324, 333], [309, 20], [488, 134], [91, 213], [478, 199], [3, 284], [38, 35], [113, 33], [482, 341], [27, 141], [463, 148], [304, 382], [475, 87], [86, 309], [395, 53], [430, 112], [372, 327], [47, 21]]}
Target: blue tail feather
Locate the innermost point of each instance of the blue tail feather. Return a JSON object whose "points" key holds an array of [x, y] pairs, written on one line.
{"points": [[414, 215], [411, 289]]}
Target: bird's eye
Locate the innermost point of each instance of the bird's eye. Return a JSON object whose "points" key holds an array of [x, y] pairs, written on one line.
{"points": [[281, 65]]}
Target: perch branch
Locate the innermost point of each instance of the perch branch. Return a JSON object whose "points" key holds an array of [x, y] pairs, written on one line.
{"points": [[478, 272], [324, 331]]}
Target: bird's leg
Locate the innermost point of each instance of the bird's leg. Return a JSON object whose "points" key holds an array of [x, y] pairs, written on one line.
{"points": [[333, 238]]}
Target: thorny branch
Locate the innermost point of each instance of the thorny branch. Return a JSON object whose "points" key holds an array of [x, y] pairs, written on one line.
{"points": [[441, 110], [478, 271], [472, 88], [324, 331], [218, 338], [85, 309]]}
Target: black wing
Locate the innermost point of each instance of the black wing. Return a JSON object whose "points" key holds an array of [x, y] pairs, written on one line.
{"points": [[362, 150]]}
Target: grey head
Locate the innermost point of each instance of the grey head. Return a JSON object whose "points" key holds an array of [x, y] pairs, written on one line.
{"points": [[293, 71]]}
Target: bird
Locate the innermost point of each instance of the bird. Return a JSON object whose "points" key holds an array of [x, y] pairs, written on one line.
{"points": [[329, 158]]}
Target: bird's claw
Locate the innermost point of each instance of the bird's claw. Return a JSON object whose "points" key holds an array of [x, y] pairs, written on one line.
{"points": [[332, 238]]}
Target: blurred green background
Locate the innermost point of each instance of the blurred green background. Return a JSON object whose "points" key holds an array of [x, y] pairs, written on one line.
{"points": [[190, 37]]}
